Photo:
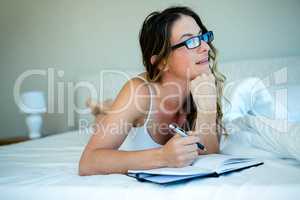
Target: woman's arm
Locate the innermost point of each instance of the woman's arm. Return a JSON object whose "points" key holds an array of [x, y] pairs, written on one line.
{"points": [[107, 161], [204, 94], [101, 155]]}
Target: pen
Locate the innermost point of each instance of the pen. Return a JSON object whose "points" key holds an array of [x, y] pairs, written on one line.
{"points": [[183, 134]]}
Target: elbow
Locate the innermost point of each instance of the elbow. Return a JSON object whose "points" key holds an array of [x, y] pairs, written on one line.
{"points": [[86, 169], [83, 169], [215, 149], [89, 171], [212, 151], [82, 173], [87, 166]]}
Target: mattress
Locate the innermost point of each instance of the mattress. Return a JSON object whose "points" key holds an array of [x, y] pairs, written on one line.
{"points": [[47, 168]]}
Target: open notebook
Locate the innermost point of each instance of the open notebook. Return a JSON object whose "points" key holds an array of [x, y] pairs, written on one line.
{"points": [[204, 166]]}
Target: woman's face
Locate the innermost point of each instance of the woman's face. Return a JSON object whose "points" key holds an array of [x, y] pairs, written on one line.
{"points": [[183, 62]]}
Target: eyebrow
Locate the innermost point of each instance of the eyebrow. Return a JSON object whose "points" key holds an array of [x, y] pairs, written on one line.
{"points": [[188, 34]]}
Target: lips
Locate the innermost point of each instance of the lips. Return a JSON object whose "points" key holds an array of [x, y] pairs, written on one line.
{"points": [[202, 61]]}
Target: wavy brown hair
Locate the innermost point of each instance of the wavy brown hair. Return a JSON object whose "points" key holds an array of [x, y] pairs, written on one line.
{"points": [[154, 39]]}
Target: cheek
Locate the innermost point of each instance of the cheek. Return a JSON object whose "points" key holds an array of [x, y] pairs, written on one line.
{"points": [[181, 64]]}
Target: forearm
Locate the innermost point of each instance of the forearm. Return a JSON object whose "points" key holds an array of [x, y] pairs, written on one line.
{"points": [[203, 89], [206, 129], [107, 161]]}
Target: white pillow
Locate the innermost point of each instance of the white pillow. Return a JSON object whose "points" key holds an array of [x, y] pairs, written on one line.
{"points": [[251, 96], [279, 137], [251, 122], [247, 96]]}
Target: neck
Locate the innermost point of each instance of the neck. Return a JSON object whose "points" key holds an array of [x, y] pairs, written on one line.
{"points": [[173, 91]]}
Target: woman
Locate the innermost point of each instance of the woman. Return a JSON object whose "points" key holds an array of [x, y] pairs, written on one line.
{"points": [[181, 86]]}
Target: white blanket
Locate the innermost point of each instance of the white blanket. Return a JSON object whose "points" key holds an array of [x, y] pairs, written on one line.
{"points": [[259, 117], [47, 169]]}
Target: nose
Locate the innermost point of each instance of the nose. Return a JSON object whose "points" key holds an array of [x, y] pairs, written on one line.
{"points": [[204, 47]]}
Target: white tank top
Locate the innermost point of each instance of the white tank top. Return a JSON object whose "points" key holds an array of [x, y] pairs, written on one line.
{"points": [[139, 138]]}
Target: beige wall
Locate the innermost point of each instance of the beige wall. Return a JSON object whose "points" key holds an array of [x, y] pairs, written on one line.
{"points": [[83, 37]]}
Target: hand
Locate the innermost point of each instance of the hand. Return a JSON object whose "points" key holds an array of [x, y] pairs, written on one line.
{"points": [[180, 151], [203, 89]]}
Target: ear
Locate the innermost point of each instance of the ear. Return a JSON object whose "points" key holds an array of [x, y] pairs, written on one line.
{"points": [[164, 67], [153, 59]]}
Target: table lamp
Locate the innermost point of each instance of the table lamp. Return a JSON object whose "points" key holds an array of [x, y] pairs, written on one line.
{"points": [[33, 104]]}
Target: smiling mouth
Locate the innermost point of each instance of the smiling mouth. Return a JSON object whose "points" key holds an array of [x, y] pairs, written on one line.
{"points": [[202, 61]]}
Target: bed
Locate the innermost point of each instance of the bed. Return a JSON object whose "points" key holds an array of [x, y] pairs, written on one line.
{"points": [[47, 168]]}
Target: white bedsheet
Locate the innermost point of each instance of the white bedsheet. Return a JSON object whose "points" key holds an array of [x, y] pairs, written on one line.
{"points": [[47, 169]]}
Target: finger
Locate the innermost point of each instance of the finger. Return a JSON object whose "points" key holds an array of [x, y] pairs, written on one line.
{"points": [[201, 152], [190, 140], [195, 133], [176, 137], [194, 155], [203, 83], [208, 74], [191, 156], [190, 148], [202, 78]]}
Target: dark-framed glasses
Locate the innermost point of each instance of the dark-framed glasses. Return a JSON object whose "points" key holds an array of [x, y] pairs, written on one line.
{"points": [[195, 41]]}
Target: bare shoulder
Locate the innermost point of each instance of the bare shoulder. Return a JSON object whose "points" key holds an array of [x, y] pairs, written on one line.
{"points": [[133, 98], [129, 106]]}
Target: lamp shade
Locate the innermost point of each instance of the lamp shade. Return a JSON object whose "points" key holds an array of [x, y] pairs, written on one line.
{"points": [[32, 102]]}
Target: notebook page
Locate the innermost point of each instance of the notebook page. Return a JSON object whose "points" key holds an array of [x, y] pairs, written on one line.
{"points": [[205, 164], [240, 165], [215, 161], [183, 171]]}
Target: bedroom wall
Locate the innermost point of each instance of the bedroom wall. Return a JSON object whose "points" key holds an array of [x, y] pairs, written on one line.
{"points": [[71, 39]]}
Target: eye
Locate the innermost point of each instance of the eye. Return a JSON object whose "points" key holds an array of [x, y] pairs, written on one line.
{"points": [[193, 42]]}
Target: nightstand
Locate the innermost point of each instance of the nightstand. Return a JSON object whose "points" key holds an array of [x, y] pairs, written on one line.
{"points": [[13, 140]]}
